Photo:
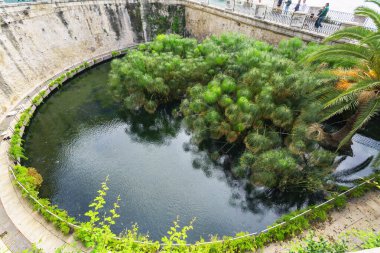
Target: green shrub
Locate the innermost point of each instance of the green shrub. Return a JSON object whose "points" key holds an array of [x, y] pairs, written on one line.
{"points": [[115, 53], [340, 202], [311, 245], [237, 90]]}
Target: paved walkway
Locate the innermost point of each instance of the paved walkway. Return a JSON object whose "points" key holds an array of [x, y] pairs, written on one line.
{"points": [[20, 225], [10, 237], [362, 213], [3, 248]]}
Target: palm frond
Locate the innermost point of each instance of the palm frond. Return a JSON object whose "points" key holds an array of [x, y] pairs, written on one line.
{"points": [[341, 51], [365, 113], [338, 109], [357, 88], [355, 33], [371, 13], [327, 94], [372, 39], [323, 94]]}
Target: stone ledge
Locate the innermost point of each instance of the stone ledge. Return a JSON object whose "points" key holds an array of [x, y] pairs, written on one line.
{"points": [[30, 223], [255, 23]]}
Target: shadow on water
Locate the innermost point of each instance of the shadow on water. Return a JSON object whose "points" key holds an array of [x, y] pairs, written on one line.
{"points": [[247, 197], [157, 128], [213, 157]]}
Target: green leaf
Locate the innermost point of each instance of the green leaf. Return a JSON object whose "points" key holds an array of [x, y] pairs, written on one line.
{"points": [[365, 113]]}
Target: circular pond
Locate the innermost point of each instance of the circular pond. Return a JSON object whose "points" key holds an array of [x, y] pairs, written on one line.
{"points": [[78, 138]]}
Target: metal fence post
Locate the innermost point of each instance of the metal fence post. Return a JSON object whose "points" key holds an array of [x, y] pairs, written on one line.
{"points": [[291, 20], [304, 21], [265, 12]]}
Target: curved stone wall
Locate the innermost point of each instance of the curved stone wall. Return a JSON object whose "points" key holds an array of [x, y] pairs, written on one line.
{"points": [[39, 40], [203, 21]]}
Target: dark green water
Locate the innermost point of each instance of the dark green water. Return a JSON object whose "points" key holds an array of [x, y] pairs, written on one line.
{"points": [[76, 140]]}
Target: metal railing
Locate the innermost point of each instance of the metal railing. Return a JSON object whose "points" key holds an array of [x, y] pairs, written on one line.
{"points": [[273, 15], [334, 21]]}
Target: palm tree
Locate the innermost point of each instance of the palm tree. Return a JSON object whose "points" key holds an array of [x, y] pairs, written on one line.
{"points": [[358, 88]]}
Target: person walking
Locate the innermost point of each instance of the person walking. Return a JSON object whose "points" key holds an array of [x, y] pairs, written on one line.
{"points": [[287, 5], [321, 15], [279, 3], [298, 5]]}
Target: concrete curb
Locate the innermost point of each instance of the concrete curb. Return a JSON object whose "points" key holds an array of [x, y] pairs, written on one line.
{"points": [[26, 222]]}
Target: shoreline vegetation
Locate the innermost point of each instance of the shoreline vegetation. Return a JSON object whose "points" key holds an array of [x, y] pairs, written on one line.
{"points": [[31, 182], [243, 92]]}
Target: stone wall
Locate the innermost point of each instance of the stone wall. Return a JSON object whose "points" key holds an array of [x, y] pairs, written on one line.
{"points": [[203, 21], [38, 40], [41, 39]]}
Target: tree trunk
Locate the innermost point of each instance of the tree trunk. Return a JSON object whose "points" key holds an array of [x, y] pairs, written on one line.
{"points": [[332, 140], [345, 130]]}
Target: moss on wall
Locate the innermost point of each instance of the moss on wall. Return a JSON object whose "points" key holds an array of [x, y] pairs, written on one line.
{"points": [[134, 12], [162, 18], [113, 16]]}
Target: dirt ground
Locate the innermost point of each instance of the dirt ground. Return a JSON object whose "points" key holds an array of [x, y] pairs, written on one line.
{"points": [[362, 213]]}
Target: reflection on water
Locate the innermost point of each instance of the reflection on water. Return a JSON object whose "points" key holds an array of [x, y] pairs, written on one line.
{"points": [[77, 139], [143, 127]]}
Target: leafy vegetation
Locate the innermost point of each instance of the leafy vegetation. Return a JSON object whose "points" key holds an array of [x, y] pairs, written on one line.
{"points": [[232, 89], [350, 241], [237, 90], [357, 89], [115, 53], [37, 100], [96, 233], [32, 180], [29, 177], [311, 245]]}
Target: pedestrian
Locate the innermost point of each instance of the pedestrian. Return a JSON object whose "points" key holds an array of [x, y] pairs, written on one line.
{"points": [[298, 5], [303, 7], [321, 15], [279, 3], [287, 4]]}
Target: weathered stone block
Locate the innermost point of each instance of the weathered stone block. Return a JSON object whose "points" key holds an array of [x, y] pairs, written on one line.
{"points": [[298, 19], [260, 10]]}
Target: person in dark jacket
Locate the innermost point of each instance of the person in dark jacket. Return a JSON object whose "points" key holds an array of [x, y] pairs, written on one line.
{"points": [[279, 3], [287, 5], [321, 15], [297, 8]]}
